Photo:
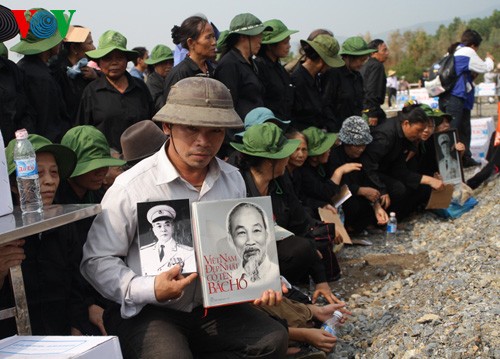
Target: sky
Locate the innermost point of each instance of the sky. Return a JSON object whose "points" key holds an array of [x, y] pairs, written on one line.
{"points": [[148, 22]]}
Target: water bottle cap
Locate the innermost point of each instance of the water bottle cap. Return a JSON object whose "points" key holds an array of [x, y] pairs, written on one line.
{"points": [[393, 214], [337, 314], [21, 134]]}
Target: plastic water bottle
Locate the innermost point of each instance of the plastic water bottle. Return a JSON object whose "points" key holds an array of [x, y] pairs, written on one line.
{"points": [[27, 174], [392, 227], [332, 325], [341, 214]]}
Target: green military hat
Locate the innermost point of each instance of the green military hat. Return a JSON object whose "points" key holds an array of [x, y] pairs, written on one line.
{"points": [[356, 46], [318, 141], [64, 156], [278, 32], [91, 148], [247, 24], [109, 41], [266, 140], [327, 47], [159, 54]]}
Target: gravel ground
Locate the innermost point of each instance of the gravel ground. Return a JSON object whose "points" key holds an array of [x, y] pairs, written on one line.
{"points": [[434, 293]]}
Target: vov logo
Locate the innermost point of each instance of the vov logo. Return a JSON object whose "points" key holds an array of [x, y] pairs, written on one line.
{"points": [[43, 23]]}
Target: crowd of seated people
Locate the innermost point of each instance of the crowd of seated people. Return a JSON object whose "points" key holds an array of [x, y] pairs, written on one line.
{"points": [[89, 127]]}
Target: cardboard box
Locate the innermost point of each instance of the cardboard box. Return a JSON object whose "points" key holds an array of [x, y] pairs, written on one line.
{"points": [[6, 206], [481, 131], [60, 347], [485, 89], [479, 148], [482, 128]]}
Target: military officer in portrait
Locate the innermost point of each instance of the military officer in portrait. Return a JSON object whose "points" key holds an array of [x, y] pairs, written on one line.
{"points": [[165, 251], [449, 167]]}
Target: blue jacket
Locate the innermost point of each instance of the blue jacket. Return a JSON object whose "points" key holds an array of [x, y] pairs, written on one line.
{"points": [[467, 61]]}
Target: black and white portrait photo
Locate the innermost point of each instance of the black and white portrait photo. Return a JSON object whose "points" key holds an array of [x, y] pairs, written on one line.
{"points": [[248, 231], [448, 157], [165, 237]]}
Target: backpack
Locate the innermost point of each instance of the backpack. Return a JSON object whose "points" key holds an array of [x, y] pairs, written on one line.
{"points": [[445, 69], [442, 77]]}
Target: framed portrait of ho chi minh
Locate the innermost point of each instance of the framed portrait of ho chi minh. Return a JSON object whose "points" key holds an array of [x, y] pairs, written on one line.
{"points": [[448, 158]]}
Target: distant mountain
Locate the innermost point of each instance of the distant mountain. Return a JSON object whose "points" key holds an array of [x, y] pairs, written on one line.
{"points": [[431, 26]]}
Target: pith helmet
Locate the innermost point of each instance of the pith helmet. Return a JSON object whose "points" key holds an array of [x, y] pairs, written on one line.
{"points": [[199, 101]]}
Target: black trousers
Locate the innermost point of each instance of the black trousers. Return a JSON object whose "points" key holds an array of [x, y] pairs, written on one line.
{"points": [[235, 331]]}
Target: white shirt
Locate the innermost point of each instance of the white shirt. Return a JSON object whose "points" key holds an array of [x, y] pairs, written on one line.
{"points": [[173, 253], [114, 232]]}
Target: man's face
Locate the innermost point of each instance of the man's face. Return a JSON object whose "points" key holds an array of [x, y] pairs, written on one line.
{"points": [[382, 54], [191, 147], [413, 131], [250, 236], [163, 229], [445, 148], [141, 61]]}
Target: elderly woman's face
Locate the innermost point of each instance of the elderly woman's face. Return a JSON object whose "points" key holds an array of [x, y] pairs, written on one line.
{"points": [[114, 64], [206, 43], [354, 151], [48, 174], [298, 158]]}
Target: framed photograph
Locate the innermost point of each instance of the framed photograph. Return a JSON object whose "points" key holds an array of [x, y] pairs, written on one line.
{"points": [[448, 158], [165, 236]]}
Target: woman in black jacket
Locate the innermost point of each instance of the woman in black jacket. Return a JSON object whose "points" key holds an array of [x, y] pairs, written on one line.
{"points": [[265, 156]]}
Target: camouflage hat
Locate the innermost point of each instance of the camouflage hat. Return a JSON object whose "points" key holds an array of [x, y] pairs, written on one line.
{"points": [[439, 116], [355, 46], [199, 101], [355, 131], [109, 41], [159, 54], [318, 141], [278, 32], [327, 47], [427, 109]]}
